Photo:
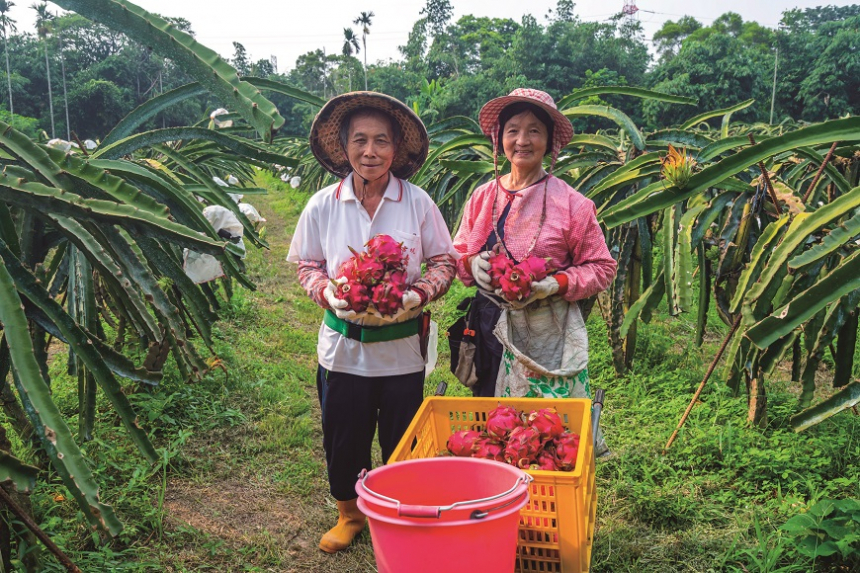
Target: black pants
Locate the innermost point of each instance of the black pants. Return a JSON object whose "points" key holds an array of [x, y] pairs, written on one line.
{"points": [[488, 349], [352, 407]]}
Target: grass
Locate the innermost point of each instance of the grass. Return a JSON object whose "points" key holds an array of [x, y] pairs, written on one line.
{"points": [[242, 486]]}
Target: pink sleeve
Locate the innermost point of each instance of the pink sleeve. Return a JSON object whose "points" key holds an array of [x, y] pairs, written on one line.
{"points": [[313, 277], [437, 279], [593, 267]]}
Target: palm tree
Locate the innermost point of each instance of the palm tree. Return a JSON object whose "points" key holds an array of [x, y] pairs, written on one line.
{"points": [[364, 22], [8, 24], [350, 47], [43, 28]]}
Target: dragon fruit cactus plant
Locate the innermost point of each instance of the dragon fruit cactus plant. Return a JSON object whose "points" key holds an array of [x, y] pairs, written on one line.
{"points": [[502, 420], [461, 443], [375, 277]]}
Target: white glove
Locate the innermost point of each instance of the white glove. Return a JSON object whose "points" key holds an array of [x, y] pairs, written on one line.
{"points": [[337, 305], [481, 270], [540, 289]]}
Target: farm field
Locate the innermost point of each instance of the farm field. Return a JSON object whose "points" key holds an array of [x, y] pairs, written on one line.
{"points": [[244, 489]]}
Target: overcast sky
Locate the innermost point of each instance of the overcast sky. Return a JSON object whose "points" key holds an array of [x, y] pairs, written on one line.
{"points": [[287, 28]]}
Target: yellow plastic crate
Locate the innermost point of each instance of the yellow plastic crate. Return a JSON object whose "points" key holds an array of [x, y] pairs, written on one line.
{"points": [[557, 524]]}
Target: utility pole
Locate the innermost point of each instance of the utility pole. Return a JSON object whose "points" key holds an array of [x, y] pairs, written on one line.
{"points": [[775, 63]]}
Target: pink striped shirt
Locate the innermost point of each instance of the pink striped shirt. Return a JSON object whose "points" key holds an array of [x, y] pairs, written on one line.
{"points": [[570, 235]]}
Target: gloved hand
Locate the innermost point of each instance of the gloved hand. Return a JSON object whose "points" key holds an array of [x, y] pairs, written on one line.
{"points": [[337, 305], [410, 301], [540, 289], [481, 270]]}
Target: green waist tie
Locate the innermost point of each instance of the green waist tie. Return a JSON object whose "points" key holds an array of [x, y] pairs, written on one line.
{"points": [[385, 333]]}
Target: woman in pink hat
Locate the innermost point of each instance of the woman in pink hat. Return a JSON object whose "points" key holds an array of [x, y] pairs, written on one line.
{"points": [[529, 211]]}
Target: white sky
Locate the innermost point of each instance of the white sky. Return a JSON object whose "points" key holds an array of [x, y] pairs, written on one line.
{"points": [[287, 29]]}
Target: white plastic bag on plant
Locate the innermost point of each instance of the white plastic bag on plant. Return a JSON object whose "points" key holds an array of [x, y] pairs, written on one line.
{"points": [[90, 144], [220, 123], [220, 181], [60, 144], [249, 211], [295, 182], [201, 267], [231, 179]]}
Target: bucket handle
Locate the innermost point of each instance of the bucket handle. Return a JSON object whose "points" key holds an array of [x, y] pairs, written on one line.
{"points": [[435, 511]]}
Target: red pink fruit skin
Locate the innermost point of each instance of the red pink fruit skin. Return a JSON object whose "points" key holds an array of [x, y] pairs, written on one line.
{"points": [[566, 449], [385, 249], [460, 443], [499, 267], [387, 298], [537, 268], [502, 420], [546, 461], [522, 447], [368, 269], [356, 295], [488, 448], [516, 284], [548, 423]]}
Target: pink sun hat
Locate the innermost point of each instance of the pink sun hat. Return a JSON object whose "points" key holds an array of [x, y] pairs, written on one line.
{"points": [[488, 118]]}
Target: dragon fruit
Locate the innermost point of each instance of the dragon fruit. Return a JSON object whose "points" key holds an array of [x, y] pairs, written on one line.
{"points": [[367, 269], [523, 446], [488, 448], [545, 460], [386, 250], [537, 268], [516, 284], [502, 420], [356, 295], [566, 448], [548, 423], [500, 265], [460, 443], [387, 297]]}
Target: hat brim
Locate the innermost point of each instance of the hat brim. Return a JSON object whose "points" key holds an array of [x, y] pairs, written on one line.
{"points": [[325, 133], [488, 119]]}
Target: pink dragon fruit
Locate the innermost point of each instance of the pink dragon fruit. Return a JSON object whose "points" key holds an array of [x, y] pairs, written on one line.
{"points": [[516, 284], [500, 265], [537, 268], [386, 250], [566, 448], [548, 423], [356, 295], [460, 443], [545, 460], [502, 420], [367, 269], [488, 448], [523, 446], [387, 297]]}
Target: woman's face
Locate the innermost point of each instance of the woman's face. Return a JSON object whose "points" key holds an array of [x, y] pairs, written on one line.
{"points": [[524, 138]]}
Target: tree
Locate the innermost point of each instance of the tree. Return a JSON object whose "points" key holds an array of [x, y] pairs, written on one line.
{"points": [[350, 47], [240, 59], [8, 24], [364, 21], [43, 29], [438, 14], [668, 39]]}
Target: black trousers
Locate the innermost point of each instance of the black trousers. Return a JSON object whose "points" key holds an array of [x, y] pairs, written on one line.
{"points": [[488, 349], [352, 408]]}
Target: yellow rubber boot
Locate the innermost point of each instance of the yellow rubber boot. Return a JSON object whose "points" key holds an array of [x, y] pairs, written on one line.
{"points": [[350, 522]]}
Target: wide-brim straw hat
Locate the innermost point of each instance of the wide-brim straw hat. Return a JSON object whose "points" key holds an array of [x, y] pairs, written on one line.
{"points": [[488, 118], [325, 133]]}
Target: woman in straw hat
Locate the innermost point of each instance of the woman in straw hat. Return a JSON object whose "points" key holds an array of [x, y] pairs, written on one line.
{"points": [[528, 211], [371, 367]]}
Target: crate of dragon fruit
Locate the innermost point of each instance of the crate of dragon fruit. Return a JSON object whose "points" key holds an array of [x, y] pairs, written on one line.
{"points": [[549, 438]]}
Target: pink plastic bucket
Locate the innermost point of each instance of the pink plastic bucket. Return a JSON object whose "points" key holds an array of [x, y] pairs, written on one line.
{"points": [[451, 515]]}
